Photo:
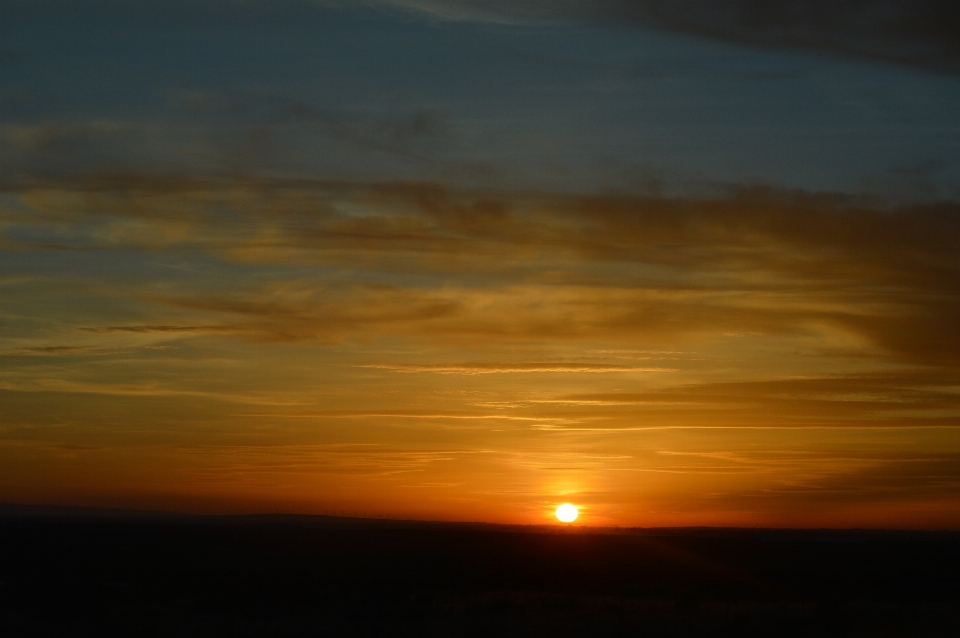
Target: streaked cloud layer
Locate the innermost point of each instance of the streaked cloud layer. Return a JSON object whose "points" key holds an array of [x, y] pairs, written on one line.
{"points": [[343, 263]]}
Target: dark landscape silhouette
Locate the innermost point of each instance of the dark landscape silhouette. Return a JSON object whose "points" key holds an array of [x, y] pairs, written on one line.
{"points": [[72, 572]]}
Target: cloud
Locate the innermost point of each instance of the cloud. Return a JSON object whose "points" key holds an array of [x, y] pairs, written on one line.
{"points": [[490, 313], [57, 350], [160, 329], [66, 146], [865, 480], [915, 32], [408, 135], [423, 261], [410, 414], [509, 368], [236, 131], [28, 384], [911, 398]]}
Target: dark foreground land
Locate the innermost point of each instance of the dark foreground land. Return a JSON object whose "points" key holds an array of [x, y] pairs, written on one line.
{"points": [[82, 573]]}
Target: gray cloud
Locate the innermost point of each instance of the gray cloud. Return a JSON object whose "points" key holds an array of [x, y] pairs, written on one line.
{"points": [[915, 32]]}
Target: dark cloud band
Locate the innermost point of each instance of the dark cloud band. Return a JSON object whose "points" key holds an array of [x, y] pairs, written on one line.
{"points": [[920, 33]]}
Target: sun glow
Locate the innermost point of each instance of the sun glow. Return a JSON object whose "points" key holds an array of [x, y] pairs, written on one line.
{"points": [[567, 513]]}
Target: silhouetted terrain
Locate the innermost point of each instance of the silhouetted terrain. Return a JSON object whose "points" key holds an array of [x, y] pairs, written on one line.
{"points": [[93, 572]]}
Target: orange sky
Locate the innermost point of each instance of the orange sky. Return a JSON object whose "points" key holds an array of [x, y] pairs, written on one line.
{"points": [[403, 350]]}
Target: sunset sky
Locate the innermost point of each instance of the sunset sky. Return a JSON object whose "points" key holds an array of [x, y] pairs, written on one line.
{"points": [[678, 262]]}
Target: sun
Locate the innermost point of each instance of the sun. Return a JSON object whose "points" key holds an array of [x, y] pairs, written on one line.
{"points": [[567, 513]]}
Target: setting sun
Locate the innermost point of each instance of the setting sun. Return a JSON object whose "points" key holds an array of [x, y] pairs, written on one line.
{"points": [[567, 513]]}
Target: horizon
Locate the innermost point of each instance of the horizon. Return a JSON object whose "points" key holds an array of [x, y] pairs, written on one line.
{"points": [[77, 514]]}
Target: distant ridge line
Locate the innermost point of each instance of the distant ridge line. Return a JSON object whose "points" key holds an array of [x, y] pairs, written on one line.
{"points": [[17, 511]]}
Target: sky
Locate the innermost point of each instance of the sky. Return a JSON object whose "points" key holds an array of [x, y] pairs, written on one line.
{"points": [[677, 262]]}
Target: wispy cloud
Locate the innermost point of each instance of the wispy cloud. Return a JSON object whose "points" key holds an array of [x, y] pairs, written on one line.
{"points": [[901, 399], [408, 414], [508, 368], [160, 329], [64, 386], [56, 350]]}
